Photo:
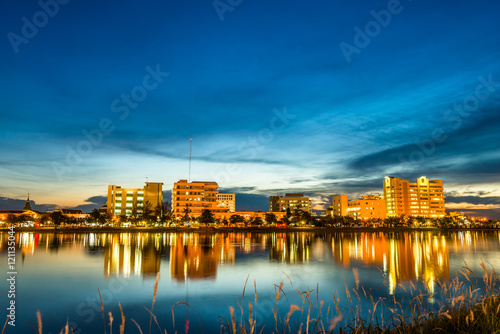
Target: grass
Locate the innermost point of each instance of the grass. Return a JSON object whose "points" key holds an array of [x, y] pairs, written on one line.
{"points": [[459, 308]]}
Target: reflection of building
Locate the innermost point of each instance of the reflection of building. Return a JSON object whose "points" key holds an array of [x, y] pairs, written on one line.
{"points": [[131, 201], [126, 256], [290, 247], [194, 197], [227, 201], [290, 201], [195, 256], [424, 198], [405, 257]]}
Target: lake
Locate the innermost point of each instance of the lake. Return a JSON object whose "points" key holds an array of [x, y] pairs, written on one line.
{"points": [[60, 274]]}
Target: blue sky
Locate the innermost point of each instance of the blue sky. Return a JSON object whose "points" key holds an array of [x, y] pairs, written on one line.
{"points": [[265, 91]]}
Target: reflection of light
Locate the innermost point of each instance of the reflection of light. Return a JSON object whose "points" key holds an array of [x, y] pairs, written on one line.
{"points": [[126, 261], [384, 257], [393, 270], [138, 262]]}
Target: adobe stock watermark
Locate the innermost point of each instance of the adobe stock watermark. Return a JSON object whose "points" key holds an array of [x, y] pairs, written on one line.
{"points": [[372, 29], [251, 147], [30, 27], [121, 107], [12, 274], [223, 6], [454, 117]]}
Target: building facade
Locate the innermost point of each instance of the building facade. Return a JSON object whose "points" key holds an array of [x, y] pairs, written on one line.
{"points": [[338, 206], [424, 198], [193, 197], [368, 208], [227, 201], [290, 201], [131, 201], [248, 215]]}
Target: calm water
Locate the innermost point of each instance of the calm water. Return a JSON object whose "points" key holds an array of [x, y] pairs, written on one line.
{"points": [[59, 274]]}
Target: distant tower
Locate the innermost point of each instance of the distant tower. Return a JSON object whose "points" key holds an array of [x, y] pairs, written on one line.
{"points": [[27, 206]]}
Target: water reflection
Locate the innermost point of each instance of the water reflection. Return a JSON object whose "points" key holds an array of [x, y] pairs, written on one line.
{"points": [[196, 256], [402, 257]]}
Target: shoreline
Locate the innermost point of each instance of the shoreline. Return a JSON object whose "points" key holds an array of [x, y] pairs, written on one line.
{"points": [[238, 229]]}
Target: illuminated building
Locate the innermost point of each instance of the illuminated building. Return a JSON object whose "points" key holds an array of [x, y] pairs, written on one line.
{"points": [[227, 201], [424, 198], [195, 196], [338, 206], [130, 201], [290, 201], [26, 211], [369, 207]]}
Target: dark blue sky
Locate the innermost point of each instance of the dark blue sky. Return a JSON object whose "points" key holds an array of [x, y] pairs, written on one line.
{"points": [[277, 96]]}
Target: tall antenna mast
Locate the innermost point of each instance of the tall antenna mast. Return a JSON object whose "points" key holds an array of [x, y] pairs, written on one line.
{"points": [[190, 151]]}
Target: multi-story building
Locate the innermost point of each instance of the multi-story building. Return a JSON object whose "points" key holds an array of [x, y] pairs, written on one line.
{"points": [[338, 206], [424, 198], [131, 201], [227, 201], [195, 197], [369, 207], [290, 201]]}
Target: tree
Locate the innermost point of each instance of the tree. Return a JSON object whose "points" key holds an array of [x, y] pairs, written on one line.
{"points": [[235, 219], [43, 219], [296, 215], [167, 210], [57, 218], [158, 212], [147, 212], [323, 221], [186, 218], [122, 219], [95, 215], [392, 221], [256, 221], [13, 219], [134, 214], [284, 221], [271, 218], [206, 217]]}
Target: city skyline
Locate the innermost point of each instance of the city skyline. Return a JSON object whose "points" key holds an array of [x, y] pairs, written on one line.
{"points": [[288, 97]]}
